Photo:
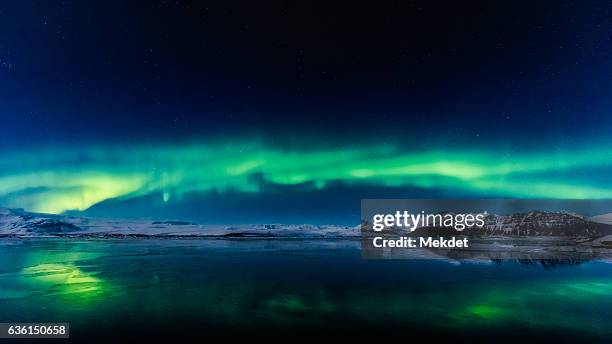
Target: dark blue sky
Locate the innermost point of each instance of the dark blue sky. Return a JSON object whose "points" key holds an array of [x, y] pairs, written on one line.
{"points": [[515, 77], [157, 70]]}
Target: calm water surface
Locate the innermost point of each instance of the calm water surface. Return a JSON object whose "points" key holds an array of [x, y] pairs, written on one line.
{"points": [[110, 288]]}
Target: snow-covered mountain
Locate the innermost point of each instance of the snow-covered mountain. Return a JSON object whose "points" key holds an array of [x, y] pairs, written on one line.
{"points": [[530, 224], [540, 223], [19, 223], [605, 219]]}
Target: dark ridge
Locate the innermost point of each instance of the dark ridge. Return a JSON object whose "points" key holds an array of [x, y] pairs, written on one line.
{"points": [[172, 223], [247, 235], [50, 226]]}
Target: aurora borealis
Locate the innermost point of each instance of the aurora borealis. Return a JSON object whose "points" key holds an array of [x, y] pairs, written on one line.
{"points": [[59, 180], [295, 111]]}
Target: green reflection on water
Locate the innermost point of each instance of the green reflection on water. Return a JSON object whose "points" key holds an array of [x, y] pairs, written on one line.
{"points": [[103, 280], [586, 288], [543, 304], [61, 279], [55, 274], [578, 305], [487, 311]]}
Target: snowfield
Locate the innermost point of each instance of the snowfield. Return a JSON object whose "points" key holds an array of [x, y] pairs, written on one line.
{"points": [[19, 223]]}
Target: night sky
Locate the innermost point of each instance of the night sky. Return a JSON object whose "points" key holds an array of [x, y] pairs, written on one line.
{"points": [[234, 112]]}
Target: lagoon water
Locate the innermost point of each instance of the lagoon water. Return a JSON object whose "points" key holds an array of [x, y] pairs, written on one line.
{"points": [[149, 287]]}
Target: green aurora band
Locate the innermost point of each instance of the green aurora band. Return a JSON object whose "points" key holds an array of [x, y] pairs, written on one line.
{"points": [[56, 180]]}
